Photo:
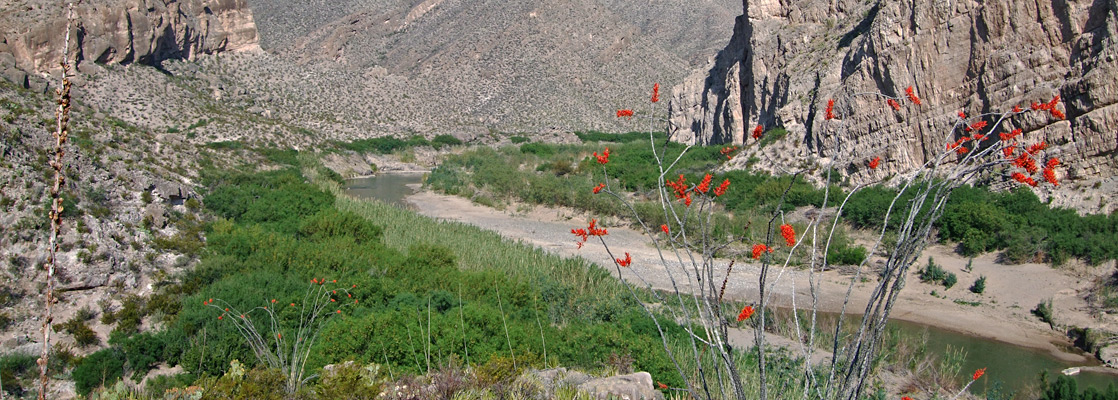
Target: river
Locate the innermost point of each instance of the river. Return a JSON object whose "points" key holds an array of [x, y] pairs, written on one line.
{"points": [[1016, 368]]}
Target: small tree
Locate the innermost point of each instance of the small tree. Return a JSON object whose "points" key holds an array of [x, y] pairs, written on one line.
{"points": [[979, 285]]}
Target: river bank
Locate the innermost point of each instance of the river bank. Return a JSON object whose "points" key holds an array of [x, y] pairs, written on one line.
{"points": [[1002, 313]]}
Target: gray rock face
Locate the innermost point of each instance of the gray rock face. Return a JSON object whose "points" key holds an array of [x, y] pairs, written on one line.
{"points": [[633, 386], [786, 59], [124, 32]]}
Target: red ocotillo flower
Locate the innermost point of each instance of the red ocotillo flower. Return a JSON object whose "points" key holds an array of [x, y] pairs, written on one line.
{"points": [[830, 109], [1050, 176], [874, 162], [789, 234], [758, 132], [894, 104], [978, 373], [624, 262], [962, 115], [599, 188], [912, 95], [1017, 109], [625, 113], [664, 227], [728, 151], [604, 157], [661, 385], [593, 230], [745, 313], [1052, 162], [655, 92], [704, 186], [976, 126], [721, 189], [759, 249]]}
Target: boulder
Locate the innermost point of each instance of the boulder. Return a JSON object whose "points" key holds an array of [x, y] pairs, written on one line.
{"points": [[633, 387]]}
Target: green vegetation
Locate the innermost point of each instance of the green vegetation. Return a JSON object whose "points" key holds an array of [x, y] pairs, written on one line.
{"points": [[1065, 388], [1043, 311], [425, 298], [932, 272], [389, 144], [979, 285]]}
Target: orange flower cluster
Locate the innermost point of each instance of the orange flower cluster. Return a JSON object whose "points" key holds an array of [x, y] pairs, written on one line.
{"points": [[624, 262], [894, 104], [745, 313], [728, 150], [958, 145], [721, 189], [661, 385], [664, 227], [680, 187], [1026, 161], [604, 157], [912, 95], [625, 113], [1050, 176], [830, 109], [1019, 177], [1009, 136], [1050, 107], [1008, 151], [976, 126], [978, 374], [759, 249], [703, 186], [874, 162], [599, 188], [789, 234], [655, 92], [758, 132], [591, 230]]}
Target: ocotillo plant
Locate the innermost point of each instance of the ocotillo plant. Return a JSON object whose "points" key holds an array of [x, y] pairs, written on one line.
{"points": [[698, 279], [288, 353]]}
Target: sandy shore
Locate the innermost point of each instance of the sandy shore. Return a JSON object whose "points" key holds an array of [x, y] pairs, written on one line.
{"points": [[1002, 313]]}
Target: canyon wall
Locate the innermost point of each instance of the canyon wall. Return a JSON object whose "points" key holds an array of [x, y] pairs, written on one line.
{"points": [[122, 32], [787, 58]]}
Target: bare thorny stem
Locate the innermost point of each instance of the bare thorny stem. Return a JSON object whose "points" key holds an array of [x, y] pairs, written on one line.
{"points": [[920, 199], [62, 130]]}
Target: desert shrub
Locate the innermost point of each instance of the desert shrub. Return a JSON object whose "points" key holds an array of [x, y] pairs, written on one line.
{"points": [[1065, 388], [15, 371], [351, 381], [539, 149], [597, 136], [226, 145], [932, 272], [158, 385], [441, 141], [381, 145], [1043, 311], [950, 280], [101, 368], [518, 139], [332, 223], [83, 335], [979, 285], [846, 255]]}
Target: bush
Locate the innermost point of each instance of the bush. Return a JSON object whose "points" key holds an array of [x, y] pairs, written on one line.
{"points": [[82, 333], [539, 149], [98, 369], [441, 141], [16, 369], [846, 255], [979, 285], [1043, 311], [950, 280], [932, 272]]}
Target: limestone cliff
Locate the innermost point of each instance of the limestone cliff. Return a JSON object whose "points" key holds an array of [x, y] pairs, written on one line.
{"points": [[788, 57], [123, 31]]}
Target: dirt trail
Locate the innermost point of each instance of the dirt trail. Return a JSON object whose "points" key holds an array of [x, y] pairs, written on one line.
{"points": [[1002, 312]]}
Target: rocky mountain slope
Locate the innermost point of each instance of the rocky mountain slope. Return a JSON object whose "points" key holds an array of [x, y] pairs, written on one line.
{"points": [[787, 58]]}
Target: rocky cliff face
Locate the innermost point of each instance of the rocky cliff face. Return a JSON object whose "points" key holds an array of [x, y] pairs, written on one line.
{"points": [[123, 31], [787, 58]]}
